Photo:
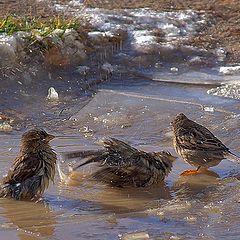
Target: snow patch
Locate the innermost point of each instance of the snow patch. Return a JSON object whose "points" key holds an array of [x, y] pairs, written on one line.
{"points": [[226, 90], [229, 70]]}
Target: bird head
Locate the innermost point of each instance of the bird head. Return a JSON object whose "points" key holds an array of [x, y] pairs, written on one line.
{"points": [[37, 135], [180, 117]]}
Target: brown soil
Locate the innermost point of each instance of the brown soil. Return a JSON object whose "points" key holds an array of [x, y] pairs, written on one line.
{"points": [[223, 29], [26, 8]]}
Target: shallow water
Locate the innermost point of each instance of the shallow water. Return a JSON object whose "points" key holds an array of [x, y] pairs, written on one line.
{"points": [[137, 104], [203, 207]]}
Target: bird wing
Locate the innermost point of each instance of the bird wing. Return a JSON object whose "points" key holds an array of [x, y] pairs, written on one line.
{"points": [[24, 167], [120, 153], [199, 138], [116, 154]]}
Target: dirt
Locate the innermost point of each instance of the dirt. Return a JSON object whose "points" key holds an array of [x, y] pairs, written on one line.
{"points": [[222, 30], [25, 8]]}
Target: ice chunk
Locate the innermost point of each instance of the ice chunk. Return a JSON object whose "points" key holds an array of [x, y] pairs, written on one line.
{"points": [[108, 67], [8, 48], [229, 70], [208, 108], [135, 236], [226, 90], [82, 69], [52, 94]]}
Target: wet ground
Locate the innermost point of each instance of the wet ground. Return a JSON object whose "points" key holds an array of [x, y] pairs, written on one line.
{"points": [[148, 85]]}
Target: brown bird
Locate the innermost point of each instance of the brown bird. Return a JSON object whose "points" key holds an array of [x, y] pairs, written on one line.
{"points": [[197, 145], [33, 168], [120, 164]]}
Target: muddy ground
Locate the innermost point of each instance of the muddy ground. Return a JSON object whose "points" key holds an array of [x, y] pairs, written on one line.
{"points": [[223, 29]]}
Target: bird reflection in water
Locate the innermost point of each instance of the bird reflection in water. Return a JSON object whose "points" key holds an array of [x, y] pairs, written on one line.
{"points": [[194, 184], [31, 220], [115, 199]]}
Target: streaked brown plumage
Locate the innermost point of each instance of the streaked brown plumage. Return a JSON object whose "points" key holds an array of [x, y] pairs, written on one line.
{"points": [[33, 168], [197, 145], [123, 165]]}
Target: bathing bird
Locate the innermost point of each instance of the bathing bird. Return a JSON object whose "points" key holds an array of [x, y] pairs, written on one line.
{"points": [[32, 169], [197, 145], [119, 164]]}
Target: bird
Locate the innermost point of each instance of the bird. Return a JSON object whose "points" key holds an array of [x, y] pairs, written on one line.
{"points": [[121, 165], [198, 146], [33, 168]]}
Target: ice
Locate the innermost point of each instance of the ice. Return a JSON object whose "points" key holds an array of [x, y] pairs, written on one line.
{"points": [[143, 39], [226, 90], [52, 94], [229, 70], [108, 67], [76, 3], [82, 69], [132, 115], [95, 35], [208, 108], [195, 77], [143, 24], [135, 236], [8, 49]]}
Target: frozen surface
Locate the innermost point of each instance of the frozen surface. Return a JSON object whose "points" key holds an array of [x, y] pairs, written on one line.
{"points": [[226, 90]]}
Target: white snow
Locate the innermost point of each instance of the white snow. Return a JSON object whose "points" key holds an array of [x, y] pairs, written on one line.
{"points": [[8, 48], [142, 25], [226, 90], [229, 70]]}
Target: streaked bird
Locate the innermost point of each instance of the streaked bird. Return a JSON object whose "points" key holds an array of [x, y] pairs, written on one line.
{"points": [[197, 145], [33, 168], [120, 164]]}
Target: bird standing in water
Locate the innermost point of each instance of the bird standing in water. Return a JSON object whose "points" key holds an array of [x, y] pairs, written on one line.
{"points": [[123, 165], [197, 145], [33, 168]]}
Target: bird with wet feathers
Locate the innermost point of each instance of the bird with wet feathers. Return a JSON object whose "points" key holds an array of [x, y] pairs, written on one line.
{"points": [[197, 145], [120, 164], [33, 168]]}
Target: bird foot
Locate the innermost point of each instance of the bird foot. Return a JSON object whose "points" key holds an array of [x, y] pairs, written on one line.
{"points": [[190, 172]]}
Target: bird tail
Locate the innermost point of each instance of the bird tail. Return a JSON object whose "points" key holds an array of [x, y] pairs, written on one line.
{"points": [[232, 157], [80, 154], [91, 156]]}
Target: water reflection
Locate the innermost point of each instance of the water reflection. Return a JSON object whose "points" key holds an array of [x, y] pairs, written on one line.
{"points": [[31, 220], [195, 186], [116, 199]]}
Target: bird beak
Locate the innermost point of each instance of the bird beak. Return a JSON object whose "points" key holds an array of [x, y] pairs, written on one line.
{"points": [[50, 137]]}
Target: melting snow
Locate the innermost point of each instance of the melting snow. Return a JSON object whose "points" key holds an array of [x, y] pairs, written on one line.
{"points": [[145, 27]]}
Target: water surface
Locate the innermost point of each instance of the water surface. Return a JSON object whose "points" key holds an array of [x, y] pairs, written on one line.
{"points": [[147, 89]]}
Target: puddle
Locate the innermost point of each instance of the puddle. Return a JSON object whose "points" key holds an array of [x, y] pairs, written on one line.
{"points": [[154, 76]]}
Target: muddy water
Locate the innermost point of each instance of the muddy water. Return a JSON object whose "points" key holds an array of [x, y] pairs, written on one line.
{"points": [[200, 207], [144, 94]]}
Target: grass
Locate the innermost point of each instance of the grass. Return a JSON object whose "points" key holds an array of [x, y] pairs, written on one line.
{"points": [[36, 25]]}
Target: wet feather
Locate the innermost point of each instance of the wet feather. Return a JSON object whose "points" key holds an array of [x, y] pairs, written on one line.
{"points": [[33, 168], [120, 164], [197, 145]]}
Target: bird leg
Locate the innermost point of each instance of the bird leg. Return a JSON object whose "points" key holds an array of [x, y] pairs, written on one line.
{"points": [[189, 172], [200, 170]]}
